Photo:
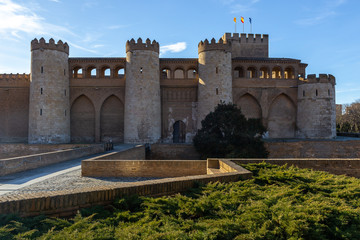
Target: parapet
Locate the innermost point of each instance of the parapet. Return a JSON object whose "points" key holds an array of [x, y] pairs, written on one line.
{"points": [[15, 77], [41, 44], [139, 45], [323, 78], [244, 38], [213, 45]]}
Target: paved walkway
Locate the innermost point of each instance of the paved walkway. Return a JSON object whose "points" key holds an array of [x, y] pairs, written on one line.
{"points": [[51, 177]]}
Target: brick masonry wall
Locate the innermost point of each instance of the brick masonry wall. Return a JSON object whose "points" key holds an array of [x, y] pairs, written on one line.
{"points": [[23, 149], [314, 149], [349, 167], [136, 153], [66, 203], [174, 151], [142, 168], [19, 164]]}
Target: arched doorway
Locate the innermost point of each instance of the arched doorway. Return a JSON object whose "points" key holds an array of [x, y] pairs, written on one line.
{"points": [[82, 120], [112, 120], [249, 106], [179, 133], [282, 118]]}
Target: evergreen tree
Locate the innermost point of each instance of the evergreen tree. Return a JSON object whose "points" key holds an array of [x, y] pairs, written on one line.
{"points": [[226, 133]]}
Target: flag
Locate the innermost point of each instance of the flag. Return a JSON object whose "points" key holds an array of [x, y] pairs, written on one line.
{"points": [[242, 19], [234, 19], [250, 20]]}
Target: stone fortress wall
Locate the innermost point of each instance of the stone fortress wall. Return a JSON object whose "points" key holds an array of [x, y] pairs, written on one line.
{"points": [[152, 99]]}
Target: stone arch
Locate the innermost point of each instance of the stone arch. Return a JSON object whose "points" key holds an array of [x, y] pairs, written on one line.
{"points": [[179, 73], [239, 72], [112, 120], [119, 72], [276, 72], [82, 120], [251, 72], [289, 73], [166, 73], [105, 71], [282, 117], [249, 106], [179, 132], [264, 72], [91, 71], [77, 72], [191, 72]]}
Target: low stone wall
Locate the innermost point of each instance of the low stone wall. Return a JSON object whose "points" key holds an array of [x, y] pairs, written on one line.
{"points": [[314, 149], [338, 166], [10, 150], [142, 168], [19, 164], [173, 151], [67, 203], [135, 153]]}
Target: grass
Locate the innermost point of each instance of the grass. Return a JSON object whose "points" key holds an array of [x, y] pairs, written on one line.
{"points": [[278, 203]]}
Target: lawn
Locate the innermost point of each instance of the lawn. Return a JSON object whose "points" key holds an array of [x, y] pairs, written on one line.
{"points": [[278, 203]]}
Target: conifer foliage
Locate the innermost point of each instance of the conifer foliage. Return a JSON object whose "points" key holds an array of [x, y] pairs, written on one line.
{"points": [[226, 133]]}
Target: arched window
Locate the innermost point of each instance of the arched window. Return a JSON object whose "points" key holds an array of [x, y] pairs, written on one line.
{"points": [[77, 72], [166, 73], [191, 73], [276, 72], [179, 73], [264, 72], [238, 72], [251, 72], [120, 72], [289, 73], [105, 72], [91, 72]]}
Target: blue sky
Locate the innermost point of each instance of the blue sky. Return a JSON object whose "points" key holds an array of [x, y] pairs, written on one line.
{"points": [[323, 33]]}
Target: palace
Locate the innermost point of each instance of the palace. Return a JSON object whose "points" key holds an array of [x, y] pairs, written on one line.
{"points": [[146, 99]]}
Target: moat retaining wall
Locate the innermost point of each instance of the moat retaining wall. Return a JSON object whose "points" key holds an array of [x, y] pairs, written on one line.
{"points": [[68, 202], [135, 153], [338, 166], [174, 151], [314, 149], [19, 164], [142, 168]]}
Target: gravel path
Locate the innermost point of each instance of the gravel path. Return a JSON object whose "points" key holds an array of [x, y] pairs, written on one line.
{"points": [[72, 180]]}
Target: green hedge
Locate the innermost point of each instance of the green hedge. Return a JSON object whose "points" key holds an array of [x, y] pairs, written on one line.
{"points": [[278, 203]]}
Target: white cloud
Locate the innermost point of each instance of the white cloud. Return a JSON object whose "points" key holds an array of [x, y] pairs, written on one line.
{"points": [[316, 19], [117, 27], [81, 48], [173, 48], [241, 6], [325, 11], [17, 19], [57, 1]]}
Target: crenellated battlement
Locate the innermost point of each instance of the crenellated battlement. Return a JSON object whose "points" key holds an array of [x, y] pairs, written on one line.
{"points": [[15, 77], [213, 45], [51, 45], [139, 45], [323, 78], [244, 38]]}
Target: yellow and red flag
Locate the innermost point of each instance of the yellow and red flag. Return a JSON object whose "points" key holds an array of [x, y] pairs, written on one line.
{"points": [[242, 19], [234, 19]]}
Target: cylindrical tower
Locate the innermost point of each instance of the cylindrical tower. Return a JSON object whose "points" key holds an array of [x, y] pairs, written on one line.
{"points": [[215, 78], [49, 113], [316, 115], [142, 92]]}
